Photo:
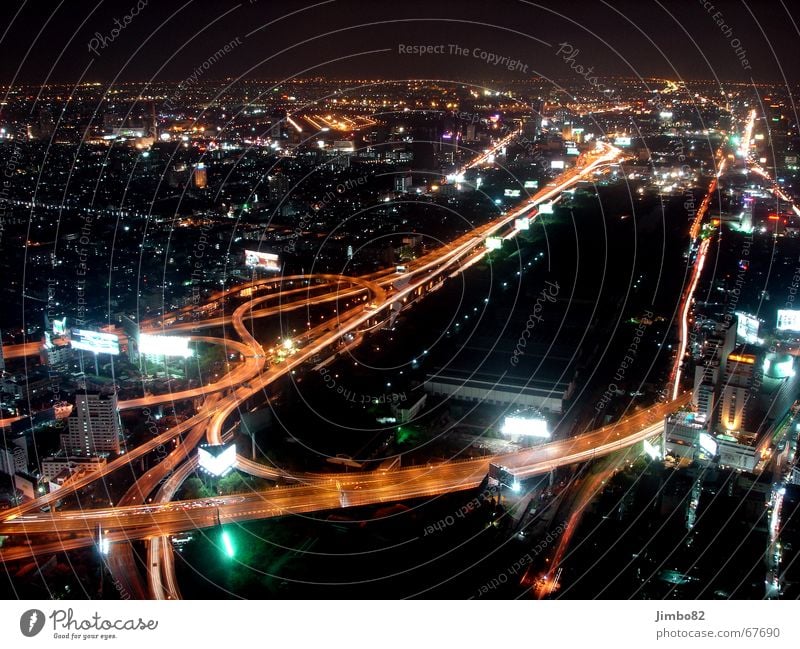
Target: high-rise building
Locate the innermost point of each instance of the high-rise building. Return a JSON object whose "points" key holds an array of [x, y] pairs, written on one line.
{"points": [[56, 353], [735, 392], [13, 454], [54, 466], [532, 124], [279, 186], [200, 176], [703, 399], [46, 124], [94, 426], [709, 372], [151, 121], [402, 183]]}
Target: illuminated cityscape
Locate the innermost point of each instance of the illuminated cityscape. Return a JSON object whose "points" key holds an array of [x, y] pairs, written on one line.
{"points": [[318, 302]]}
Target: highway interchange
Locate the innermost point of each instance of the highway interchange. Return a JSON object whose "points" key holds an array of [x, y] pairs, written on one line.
{"points": [[374, 297]]}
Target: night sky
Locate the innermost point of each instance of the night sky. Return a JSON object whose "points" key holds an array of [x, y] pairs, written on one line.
{"points": [[359, 39]]}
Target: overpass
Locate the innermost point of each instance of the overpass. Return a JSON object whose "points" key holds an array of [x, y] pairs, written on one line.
{"points": [[323, 491], [316, 492]]}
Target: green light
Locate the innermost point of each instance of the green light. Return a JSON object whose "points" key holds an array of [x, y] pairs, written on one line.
{"points": [[227, 544]]}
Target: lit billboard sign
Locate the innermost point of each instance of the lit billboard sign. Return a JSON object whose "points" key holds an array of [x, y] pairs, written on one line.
{"points": [[531, 184], [494, 243], [557, 164], [526, 426], [60, 327], [652, 451], [522, 224], [747, 328], [217, 459], [571, 150], [546, 208], [513, 193], [708, 444], [164, 345], [97, 342], [263, 260], [622, 141], [788, 320]]}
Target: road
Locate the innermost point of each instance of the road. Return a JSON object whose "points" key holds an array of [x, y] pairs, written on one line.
{"points": [[157, 520], [324, 490]]}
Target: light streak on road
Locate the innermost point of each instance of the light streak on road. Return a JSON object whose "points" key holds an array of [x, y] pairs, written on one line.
{"points": [[684, 323], [156, 521]]}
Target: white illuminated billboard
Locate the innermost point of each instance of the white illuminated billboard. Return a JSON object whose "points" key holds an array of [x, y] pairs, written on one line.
{"points": [[571, 150], [622, 141], [651, 450], [526, 426], [708, 443], [263, 260], [494, 243], [747, 328], [164, 345], [557, 164], [788, 320], [522, 224], [513, 193], [531, 184], [217, 459], [59, 327], [546, 208], [98, 342]]}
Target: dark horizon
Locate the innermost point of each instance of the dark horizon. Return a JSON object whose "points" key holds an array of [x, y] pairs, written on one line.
{"points": [[723, 41]]}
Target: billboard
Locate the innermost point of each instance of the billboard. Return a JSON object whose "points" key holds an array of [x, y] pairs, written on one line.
{"points": [[522, 224], [622, 141], [557, 164], [97, 342], [494, 243], [788, 320], [60, 327], [526, 426], [217, 459], [531, 184], [546, 208], [164, 345], [652, 451], [263, 260], [747, 328], [708, 444], [513, 193]]}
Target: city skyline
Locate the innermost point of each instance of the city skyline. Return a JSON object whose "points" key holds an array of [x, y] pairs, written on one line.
{"points": [[442, 301]]}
